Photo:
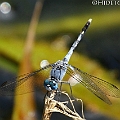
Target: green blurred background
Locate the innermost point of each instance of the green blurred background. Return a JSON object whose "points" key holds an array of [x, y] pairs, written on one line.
{"points": [[59, 25]]}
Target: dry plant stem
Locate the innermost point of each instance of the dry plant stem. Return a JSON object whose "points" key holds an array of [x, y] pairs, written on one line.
{"points": [[33, 25], [24, 106], [71, 101], [82, 107], [52, 105], [48, 105]]}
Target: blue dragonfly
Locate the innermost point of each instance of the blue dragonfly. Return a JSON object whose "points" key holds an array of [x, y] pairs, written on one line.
{"points": [[55, 73]]}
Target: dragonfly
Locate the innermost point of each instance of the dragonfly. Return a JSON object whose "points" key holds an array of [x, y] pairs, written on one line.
{"points": [[57, 71]]}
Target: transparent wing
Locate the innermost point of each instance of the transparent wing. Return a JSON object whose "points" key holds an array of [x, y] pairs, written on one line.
{"points": [[26, 83], [99, 87]]}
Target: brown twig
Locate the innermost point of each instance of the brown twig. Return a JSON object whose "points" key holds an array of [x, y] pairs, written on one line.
{"points": [[52, 105], [33, 25], [24, 106]]}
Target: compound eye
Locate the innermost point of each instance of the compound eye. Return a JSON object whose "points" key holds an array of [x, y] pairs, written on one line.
{"points": [[46, 82], [50, 85], [54, 86]]}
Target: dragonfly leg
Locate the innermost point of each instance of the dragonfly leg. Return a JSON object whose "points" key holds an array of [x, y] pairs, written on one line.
{"points": [[66, 82], [59, 90]]}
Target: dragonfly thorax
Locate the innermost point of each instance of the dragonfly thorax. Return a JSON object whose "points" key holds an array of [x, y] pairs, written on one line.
{"points": [[50, 85], [58, 70], [56, 75]]}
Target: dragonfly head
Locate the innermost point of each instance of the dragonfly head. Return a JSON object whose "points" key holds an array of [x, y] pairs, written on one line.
{"points": [[50, 85]]}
